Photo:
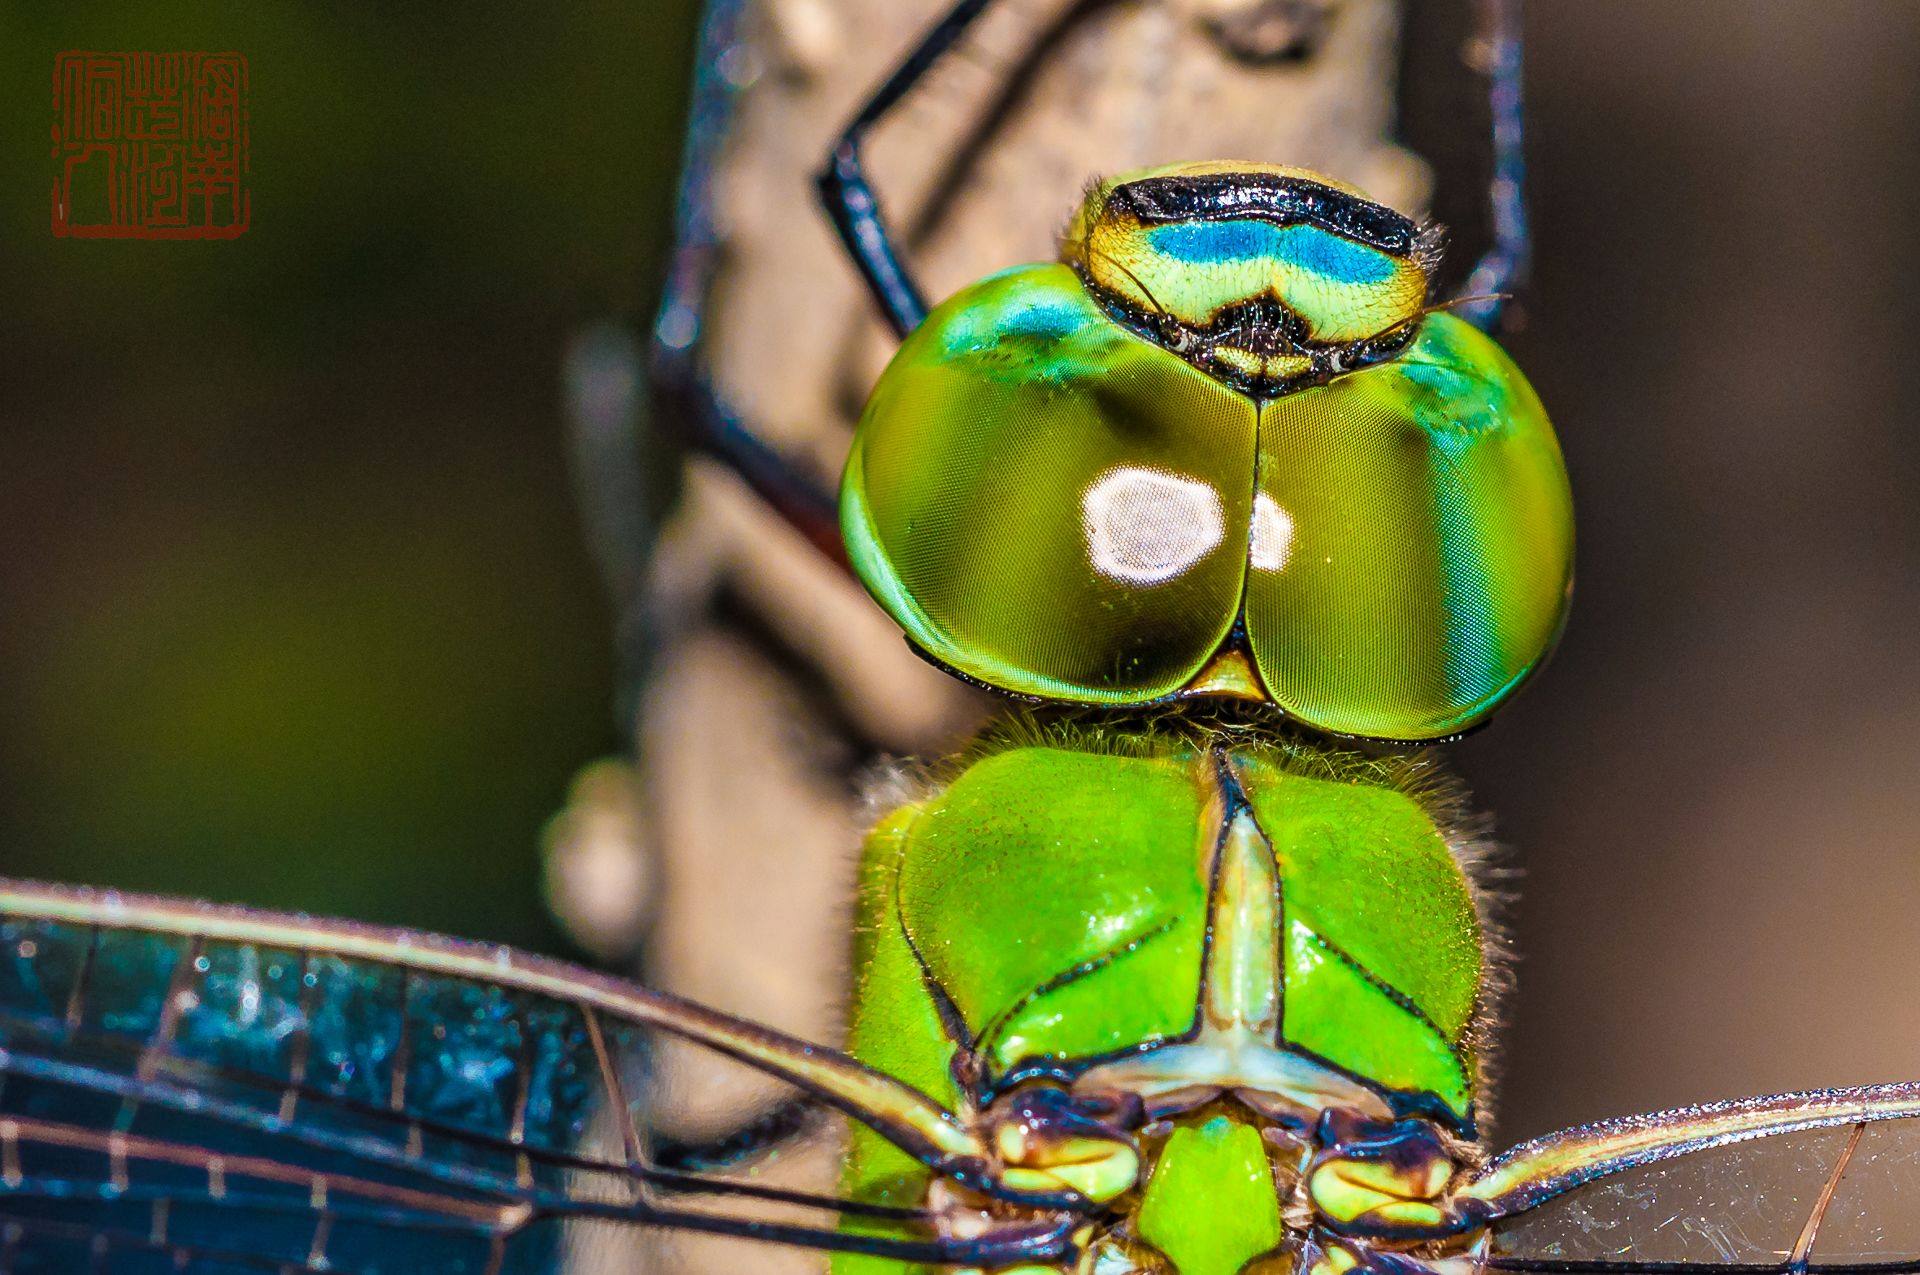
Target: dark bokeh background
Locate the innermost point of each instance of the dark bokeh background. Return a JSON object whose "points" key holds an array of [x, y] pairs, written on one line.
{"points": [[1715, 787], [296, 612]]}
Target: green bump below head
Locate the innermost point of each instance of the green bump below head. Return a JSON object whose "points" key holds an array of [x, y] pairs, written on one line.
{"points": [[1210, 1206]]}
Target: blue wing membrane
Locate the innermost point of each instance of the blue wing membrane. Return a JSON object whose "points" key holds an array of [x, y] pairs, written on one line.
{"points": [[198, 1100]]}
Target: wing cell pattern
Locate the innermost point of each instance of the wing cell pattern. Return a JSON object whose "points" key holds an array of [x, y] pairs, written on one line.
{"points": [[194, 1089], [1794, 1184]]}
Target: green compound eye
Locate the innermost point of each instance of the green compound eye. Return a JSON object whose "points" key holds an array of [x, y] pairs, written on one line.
{"points": [[1423, 537], [1056, 506], [1048, 503]]}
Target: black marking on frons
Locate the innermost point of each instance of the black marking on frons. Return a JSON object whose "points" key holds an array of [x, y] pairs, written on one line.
{"points": [[1272, 197], [1261, 323]]}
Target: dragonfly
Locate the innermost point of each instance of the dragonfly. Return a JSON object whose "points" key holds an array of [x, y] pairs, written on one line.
{"points": [[1180, 967]]}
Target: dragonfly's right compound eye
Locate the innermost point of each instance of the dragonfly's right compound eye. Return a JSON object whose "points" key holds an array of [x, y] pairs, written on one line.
{"points": [[1285, 485]]}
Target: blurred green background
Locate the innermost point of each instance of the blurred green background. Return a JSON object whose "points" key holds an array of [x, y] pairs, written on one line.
{"points": [[296, 611]]}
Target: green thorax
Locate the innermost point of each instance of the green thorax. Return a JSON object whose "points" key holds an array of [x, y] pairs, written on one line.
{"points": [[1184, 915], [1057, 494]]}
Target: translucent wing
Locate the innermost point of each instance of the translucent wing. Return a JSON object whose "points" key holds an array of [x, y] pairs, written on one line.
{"points": [[1820, 1181], [193, 1088]]}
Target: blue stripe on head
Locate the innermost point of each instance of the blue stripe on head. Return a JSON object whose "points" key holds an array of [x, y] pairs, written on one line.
{"points": [[1244, 239]]}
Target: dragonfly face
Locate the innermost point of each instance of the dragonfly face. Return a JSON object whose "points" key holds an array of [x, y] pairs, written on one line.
{"points": [[1221, 451], [1268, 278]]}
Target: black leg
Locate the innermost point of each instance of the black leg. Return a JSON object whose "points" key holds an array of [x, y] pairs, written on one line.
{"points": [[1505, 263], [773, 1127], [850, 200], [625, 485], [683, 392], [682, 387], [715, 429]]}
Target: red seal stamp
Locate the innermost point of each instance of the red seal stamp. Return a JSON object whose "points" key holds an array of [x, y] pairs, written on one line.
{"points": [[150, 146]]}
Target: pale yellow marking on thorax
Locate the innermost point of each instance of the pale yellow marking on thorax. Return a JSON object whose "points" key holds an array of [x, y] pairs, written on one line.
{"points": [[1242, 977], [1236, 1049]]}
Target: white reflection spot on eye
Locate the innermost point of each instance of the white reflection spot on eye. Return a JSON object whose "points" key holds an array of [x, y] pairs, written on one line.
{"points": [[1144, 526], [1272, 536]]}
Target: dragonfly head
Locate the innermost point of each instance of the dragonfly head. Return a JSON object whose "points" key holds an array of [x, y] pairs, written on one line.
{"points": [[1223, 451], [1266, 277]]}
